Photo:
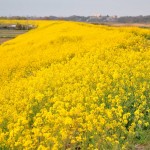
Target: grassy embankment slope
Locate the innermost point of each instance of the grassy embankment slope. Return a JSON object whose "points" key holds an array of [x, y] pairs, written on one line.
{"points": [[74, 85]]}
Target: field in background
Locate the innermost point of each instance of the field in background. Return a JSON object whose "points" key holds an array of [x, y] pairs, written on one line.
{"points": [[140, 25], [67, 85], [132, 25], [6, 35]]}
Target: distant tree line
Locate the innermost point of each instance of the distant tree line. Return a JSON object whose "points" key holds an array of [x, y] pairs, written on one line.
{"points": [[94, 19], [138, 19], [13, 18]]}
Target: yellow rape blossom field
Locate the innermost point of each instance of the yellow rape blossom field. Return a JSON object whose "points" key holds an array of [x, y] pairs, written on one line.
{"points": [[74, 86]]}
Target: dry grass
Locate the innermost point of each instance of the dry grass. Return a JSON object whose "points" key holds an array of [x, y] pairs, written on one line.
{"points": [[130, 24]]}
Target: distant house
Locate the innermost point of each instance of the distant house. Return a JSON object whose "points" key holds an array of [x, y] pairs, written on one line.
{"points": [[30, 26], [12, 26]]}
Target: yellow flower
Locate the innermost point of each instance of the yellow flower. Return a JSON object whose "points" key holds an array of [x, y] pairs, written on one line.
{"points": [[139, 122], [81, 85]]}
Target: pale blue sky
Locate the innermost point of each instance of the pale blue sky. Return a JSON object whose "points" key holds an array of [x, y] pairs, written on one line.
{"points": [[74, 7]]}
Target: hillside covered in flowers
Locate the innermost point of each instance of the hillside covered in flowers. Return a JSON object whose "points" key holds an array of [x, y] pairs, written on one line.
{"points": [[67, 86]]}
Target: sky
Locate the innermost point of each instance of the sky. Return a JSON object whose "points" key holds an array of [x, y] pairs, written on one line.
{"points": [[74, 7]]}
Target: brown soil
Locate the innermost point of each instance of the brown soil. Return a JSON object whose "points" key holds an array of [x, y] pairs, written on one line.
{"points": [[130, 24], [2, 40]]}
